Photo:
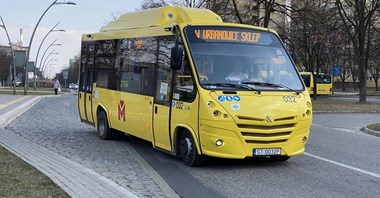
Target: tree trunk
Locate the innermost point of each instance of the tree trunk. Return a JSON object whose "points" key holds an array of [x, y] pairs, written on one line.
{"points": [[362, 83]]}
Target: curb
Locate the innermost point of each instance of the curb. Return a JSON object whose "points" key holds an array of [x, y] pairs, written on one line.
{"points": [[11, 115], [322, 112], [371, 132]]}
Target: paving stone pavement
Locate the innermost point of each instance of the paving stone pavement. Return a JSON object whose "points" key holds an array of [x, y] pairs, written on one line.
{"points": [[54, 124], [73, 178]]}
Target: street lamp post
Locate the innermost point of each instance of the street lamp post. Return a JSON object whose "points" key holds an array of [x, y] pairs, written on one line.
{"points": [[48, 62], [49, 69], [43, 68], [13, 56], [34, 31], [39, 48], [43, 55], [41, 65], [51, 45]]}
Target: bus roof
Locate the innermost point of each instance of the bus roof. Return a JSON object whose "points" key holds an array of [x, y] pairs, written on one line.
{"points": [[162, 16]]}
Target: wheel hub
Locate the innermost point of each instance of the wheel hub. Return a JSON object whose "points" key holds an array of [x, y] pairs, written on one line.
{"points": [[101, 126], [186, 147]]}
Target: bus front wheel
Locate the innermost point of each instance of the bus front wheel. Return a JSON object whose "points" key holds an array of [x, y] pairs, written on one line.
{"points": [[188, 150], [104, 131]]}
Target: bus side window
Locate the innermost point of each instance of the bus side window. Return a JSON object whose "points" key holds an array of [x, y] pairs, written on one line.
{"points": [[184, 89], [102, 80]]}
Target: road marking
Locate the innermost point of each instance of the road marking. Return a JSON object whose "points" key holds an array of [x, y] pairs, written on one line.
{"points": [[336, 129], [12, 102], [344, 165]]}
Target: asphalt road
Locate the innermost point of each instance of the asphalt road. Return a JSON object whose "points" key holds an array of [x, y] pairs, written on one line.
{"points": [[340, 160]]}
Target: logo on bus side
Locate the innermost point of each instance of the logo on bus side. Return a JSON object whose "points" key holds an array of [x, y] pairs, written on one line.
{"points": [[121, 110]]}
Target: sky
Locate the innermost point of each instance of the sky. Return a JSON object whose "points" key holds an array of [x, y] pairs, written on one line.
{"points": [[87, 16]]}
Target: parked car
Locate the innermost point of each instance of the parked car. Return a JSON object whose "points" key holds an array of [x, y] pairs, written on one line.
{"points": [[73, 85]]}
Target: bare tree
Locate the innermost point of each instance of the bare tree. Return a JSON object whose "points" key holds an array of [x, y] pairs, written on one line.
{"points": [[311, 35], [345, 65], [357, 17], [373, 65], [5, 62], [148, 4], [269, 8]]}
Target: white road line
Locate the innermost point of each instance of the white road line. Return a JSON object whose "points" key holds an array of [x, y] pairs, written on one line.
{"points": [[336, 129], [344, 165]]}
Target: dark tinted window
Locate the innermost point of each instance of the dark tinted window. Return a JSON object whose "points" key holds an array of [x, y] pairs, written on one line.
{"points": [[105, 65], [306, 80], [87, 66], [184, 88], [324, 79], [137, 59]]}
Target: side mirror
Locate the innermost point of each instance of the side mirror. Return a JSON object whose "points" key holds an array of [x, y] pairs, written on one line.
{"points": [[176, 57]]}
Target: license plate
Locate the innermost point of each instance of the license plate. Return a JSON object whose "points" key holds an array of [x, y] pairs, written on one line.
{"points": [[267, 151]]}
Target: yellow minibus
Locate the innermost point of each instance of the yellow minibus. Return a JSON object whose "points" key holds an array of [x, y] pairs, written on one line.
{"points": [[324, 83], [194, 86]]}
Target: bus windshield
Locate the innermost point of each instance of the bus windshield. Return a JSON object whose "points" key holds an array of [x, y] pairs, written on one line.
{"points": [[324, 79], [241, 59]]}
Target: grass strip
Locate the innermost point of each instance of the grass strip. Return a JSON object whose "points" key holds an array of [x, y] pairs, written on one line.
{"points": [[19, 179]]}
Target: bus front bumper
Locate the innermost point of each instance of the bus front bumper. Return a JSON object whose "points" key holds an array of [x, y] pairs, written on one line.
{"points": [[219, 141]]}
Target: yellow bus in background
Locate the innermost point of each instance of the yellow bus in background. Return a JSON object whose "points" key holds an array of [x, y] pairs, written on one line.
{"points": [[324, 83], [194, 86]]}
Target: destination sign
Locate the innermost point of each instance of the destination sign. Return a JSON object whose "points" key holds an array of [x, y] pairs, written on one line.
{"points": [[227, 35]]}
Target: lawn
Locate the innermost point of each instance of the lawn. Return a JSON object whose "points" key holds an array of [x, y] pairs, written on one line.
{"points": [[19, 179], [375, 127], [30, 91], [332, 104]]}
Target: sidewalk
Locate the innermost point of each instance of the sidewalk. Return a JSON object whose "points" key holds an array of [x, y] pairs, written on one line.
{"points": [[75, 179], [341, 93]]}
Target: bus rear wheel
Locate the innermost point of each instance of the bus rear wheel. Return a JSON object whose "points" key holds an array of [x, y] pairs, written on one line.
{"points": [[188, 150], [104, 131]]}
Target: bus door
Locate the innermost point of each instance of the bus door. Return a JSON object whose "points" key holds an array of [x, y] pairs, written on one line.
{"points": [[85, 97], [308, 80], [161, 107], [85, 86]]}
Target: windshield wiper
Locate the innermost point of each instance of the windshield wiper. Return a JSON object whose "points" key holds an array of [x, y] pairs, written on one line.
{"points": [[271, 85], [232, 85]]}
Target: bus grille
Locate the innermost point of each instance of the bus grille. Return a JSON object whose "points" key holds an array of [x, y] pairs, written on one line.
{"points": [[259, 131]]}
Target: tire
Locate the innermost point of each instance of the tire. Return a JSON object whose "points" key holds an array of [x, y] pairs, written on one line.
{"points": [[280, 158], [188, 151], [104, 131]]}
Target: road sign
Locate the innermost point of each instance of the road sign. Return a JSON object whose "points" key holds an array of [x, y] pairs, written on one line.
{"points": [[30, 67], [65, 73], [336, 70], [20, 57]]}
